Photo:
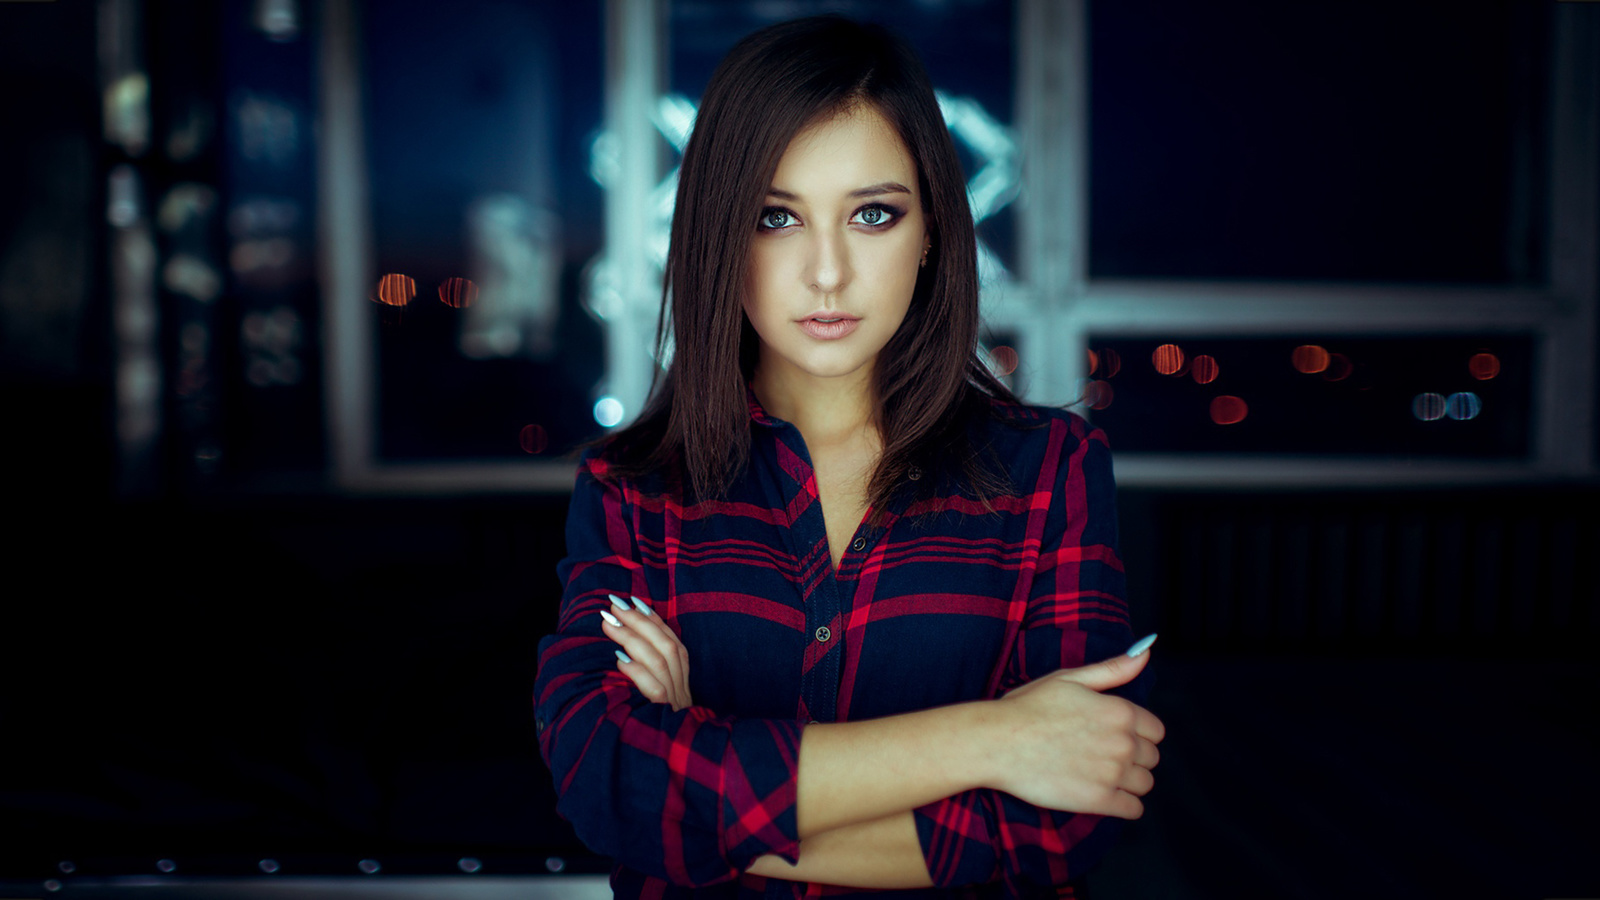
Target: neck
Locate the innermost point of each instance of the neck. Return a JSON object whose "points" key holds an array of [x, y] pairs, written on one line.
{"points": [[828, 411]]}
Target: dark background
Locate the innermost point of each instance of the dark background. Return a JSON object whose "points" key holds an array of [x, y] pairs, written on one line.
{"points": [[212, 655]]}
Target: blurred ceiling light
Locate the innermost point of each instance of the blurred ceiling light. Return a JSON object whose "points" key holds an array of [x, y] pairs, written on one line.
{"points": [[279, 20]]}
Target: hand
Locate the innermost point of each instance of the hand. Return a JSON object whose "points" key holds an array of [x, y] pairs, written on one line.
{"points": [[1064, 745], [657, 661]]}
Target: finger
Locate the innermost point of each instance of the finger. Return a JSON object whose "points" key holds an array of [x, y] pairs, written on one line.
{"points": [[1145, 755], [1147, 726], [1107, 674], [661, 637], [639, 648], [1138, 781], [1123, 805], [643, 640], [642, 678]]}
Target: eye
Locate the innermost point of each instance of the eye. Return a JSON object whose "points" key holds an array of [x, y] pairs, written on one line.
{"points": [[774, 218], [877, 215]]}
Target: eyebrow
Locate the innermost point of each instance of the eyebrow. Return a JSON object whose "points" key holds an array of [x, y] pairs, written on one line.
{"points": [[871, 190]]}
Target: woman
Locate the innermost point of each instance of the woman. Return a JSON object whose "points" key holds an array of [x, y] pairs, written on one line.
{"points": [[888, 575]]}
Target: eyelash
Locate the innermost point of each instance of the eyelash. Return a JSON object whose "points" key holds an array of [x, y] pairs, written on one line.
{"points": [[891, 212]]}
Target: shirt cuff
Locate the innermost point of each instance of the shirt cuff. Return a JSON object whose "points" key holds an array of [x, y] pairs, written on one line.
{"points": [[758, 792]]}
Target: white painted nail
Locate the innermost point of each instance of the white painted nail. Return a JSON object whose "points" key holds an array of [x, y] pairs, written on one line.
{"points": [[610, 619], [624, 657], [642, 606], [1142, 645], [618, 602]]}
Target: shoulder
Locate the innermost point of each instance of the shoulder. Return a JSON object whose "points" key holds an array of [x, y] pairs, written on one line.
{"points": [[606, 466], [1026, 429]]}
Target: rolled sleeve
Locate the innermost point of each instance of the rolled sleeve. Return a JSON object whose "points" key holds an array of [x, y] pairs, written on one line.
{"points": [[685, 795], [1076, 614]]}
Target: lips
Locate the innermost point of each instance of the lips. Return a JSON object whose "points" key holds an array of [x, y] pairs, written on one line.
{"points": [[828, 327]]}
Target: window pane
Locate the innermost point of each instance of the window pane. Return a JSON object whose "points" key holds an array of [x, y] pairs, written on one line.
{"points": [[1361, 141], [479, 120], [1425, 395]]}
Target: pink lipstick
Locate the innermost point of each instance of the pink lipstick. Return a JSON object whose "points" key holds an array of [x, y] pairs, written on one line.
{"points": [[825, 327]]}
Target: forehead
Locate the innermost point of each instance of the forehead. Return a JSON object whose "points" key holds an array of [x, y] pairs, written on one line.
{"points": [[840, 154]]}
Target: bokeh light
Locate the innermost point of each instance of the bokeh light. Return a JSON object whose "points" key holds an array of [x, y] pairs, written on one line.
{"points": [[1204, 369], [1110, 363], [1428, 407], [1098, 394], [1463, 405], [1339, 367], [1002, 361], [1094, 362], [1168, 359], [608, 411], [1484, 366], [533, 439], [458, 292], [1228, 410], [395, 289], [1309, 359]]}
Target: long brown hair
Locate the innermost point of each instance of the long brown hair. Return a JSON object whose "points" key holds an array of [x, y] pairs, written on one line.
{"points": [[929, 381]]}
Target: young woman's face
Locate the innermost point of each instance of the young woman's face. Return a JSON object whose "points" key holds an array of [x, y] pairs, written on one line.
{"points": [[836, 251]]}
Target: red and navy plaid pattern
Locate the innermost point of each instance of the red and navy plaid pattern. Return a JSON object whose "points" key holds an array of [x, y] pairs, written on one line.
{"points": [[940, 601]]}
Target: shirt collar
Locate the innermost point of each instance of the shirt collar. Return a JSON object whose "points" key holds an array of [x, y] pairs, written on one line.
{"points": [[758, 413]]}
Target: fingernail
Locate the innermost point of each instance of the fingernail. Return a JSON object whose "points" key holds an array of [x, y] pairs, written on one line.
{"points": [[624, 657], [642, 606], [618, 602], [610, 618], [1143, 645]]}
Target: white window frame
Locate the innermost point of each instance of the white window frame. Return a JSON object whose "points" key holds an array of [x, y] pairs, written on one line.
{"points": [[1062, 306]]}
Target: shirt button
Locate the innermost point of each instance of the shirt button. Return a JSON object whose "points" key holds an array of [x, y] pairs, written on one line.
{"points": [[913, 473], [823, 634], [858, 544]]}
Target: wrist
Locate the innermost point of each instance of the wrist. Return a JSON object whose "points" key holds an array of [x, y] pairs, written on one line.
{"points": [[979, 742]]}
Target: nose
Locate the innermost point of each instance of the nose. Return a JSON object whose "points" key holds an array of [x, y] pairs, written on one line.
{"points": [[830, 262]]}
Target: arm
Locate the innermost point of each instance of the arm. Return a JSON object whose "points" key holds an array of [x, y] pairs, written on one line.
{"points": [[895, 763], [1075, 613], [679, 794], [1058, 744]]}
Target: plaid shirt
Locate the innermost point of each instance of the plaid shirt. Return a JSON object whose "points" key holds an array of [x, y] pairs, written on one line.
{"points": [[940, 602]]}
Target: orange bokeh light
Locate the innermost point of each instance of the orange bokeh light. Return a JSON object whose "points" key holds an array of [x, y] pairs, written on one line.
{"points": [[395, 289], [1110, 363], [1339, 367], [1310, 359], [1168, 359], [1094, 362], [1003, 360], [1098, 394], [1204, 369], [1484, 366], [1228, 410], [458, 292]]}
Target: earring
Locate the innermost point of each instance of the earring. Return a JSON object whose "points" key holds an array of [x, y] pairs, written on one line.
{"points": [[925, 249]]}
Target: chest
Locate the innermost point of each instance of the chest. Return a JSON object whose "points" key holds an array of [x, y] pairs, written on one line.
{"points": [[913, 615], [842, 481]]}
